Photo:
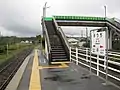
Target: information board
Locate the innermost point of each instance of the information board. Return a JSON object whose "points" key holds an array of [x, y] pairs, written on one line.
{"points": [[98, 42]]}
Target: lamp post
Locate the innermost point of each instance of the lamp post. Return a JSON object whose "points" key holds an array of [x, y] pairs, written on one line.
{"points": [[105, 11], [44, 15], [86, 35], [7, 49], [44, 9], [106, 56]]}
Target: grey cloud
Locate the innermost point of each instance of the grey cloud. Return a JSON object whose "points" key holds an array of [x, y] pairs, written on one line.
{"points": [[18, 18], [22, 17]]}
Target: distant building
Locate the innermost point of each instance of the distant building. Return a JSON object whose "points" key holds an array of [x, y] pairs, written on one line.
{"points": [[26, 41], [73, 41], [76, 41], [30, 41], [81, 43], [22, 42]]}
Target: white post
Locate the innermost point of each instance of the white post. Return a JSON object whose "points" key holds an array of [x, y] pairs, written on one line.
{"points": [[76, 56], [90, 52], [110, 40], [106, 56], [7, 49], [97, 64], [87, 54], [104, 62], [46, 49], [70, 54]]}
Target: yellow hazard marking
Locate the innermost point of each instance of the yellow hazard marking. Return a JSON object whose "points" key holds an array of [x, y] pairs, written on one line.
{"points": [[59, 62], [63, 65], [35, 83]]}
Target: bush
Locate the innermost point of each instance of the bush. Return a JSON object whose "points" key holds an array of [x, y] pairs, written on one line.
{"points": [[12, 47], [43, 43], [3, 49], [87, 45], [116, 45]]}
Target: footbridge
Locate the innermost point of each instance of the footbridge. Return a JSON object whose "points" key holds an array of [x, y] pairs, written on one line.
{"points": [[55, 38]]}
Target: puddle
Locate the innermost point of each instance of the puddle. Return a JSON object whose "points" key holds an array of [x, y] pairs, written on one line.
{"points": [[75, 83], [85, 76], [60, 78], [53, 78], [57, 71]]}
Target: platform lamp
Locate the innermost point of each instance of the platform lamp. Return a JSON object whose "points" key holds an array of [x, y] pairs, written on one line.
{"points": [[105, 11], [106, 62], [44, 15]]}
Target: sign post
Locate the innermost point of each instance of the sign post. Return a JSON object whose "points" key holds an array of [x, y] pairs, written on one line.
{"points": [[106, 57], [99, 46], [99, 43]]}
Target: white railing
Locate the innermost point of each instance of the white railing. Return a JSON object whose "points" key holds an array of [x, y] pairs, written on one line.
{"points": [[46, 33], [113, 25], [82, 57], [64, 36]]}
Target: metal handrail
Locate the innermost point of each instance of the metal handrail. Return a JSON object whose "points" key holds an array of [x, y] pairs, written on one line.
{"points": [[112, 24], [62, 33], [116, 19], [46, 33], [64, 36]]}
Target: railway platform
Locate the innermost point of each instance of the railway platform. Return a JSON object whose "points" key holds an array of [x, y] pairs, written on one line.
{"points": [[38, 75]]}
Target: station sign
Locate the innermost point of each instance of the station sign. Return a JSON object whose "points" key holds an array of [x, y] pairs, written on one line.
{"points": [[98, 42]]}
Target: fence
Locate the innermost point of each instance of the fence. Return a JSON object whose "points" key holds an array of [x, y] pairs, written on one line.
{"points": [[97, 63]]}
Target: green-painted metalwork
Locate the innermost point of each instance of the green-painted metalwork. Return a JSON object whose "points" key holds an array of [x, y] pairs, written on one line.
{"points": [[48, 18], [82, 18]]}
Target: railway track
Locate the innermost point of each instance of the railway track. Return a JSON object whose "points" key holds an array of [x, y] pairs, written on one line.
{"points": [[9, 70]]}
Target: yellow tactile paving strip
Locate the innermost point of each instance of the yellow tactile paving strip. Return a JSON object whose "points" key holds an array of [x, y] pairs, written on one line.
{"points": [[35, 83]]}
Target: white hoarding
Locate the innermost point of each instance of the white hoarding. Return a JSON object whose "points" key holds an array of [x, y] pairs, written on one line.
{"points": [[98, 45]]}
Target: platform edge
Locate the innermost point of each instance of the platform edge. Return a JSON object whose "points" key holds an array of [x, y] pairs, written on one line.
{"points": [[14, 83]]}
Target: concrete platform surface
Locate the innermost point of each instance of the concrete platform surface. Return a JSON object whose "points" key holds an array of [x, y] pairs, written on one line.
{"points": [[60, 76]]}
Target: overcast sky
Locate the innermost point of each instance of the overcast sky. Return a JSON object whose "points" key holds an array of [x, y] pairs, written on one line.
{"points": [[22, 17]]}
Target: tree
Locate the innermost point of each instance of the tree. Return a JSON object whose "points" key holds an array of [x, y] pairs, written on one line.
{"points": [[38, 37]]}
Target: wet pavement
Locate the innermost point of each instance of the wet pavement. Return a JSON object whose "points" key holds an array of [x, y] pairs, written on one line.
{"points": [[71, 77]]}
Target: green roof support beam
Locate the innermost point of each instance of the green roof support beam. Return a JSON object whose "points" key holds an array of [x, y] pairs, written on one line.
{"points": [[48, 18], [81, 18]]}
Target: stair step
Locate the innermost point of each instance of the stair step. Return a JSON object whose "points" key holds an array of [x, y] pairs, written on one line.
{"points": [[54, 46], [61, 49], [59, 55], [56, 54], [57, 50], [60, 59]]}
